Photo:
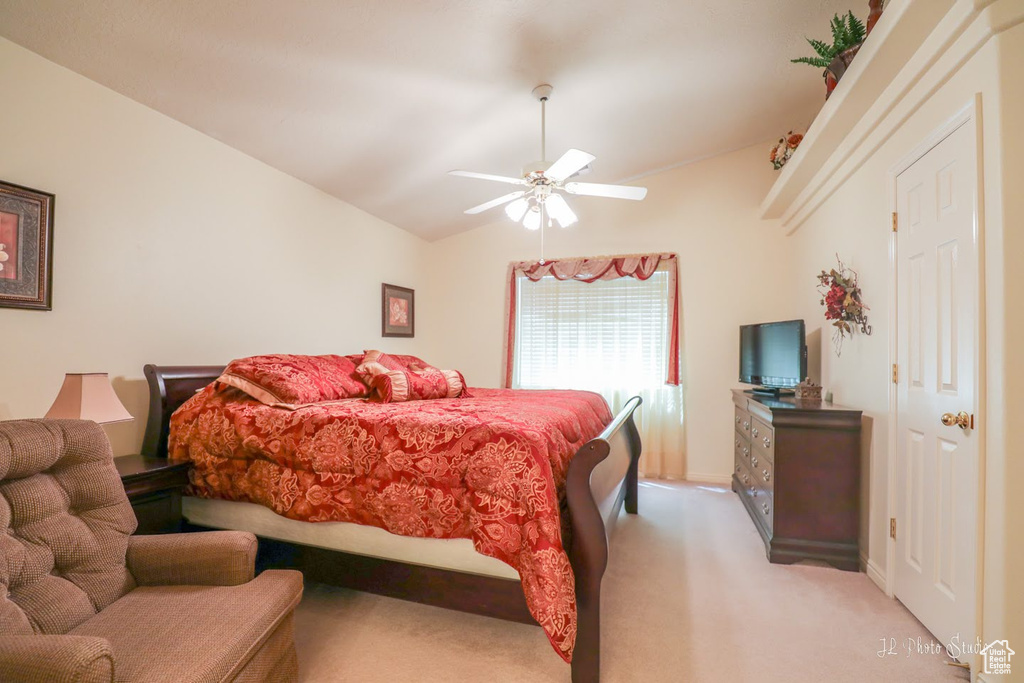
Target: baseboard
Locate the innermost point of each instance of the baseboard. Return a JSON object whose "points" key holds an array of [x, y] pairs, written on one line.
{"points": [[661, 477], [699, 478], [876, 574]]}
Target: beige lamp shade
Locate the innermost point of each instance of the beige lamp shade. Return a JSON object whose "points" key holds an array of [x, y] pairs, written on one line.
{"points": [[88, 396]]}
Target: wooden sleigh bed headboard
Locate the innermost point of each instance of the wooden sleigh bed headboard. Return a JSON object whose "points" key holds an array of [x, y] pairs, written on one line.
{"points": [[601, 476], [169, 387]]}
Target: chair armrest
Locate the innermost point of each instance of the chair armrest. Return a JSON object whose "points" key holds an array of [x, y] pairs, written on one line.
{"points": [[28, 659], [208, 558]]}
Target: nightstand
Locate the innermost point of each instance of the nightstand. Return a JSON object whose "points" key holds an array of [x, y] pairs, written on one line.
{"points": [[154, 488]]}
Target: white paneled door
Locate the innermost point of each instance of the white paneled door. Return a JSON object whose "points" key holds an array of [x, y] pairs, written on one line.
{"points": [[936, 446]]}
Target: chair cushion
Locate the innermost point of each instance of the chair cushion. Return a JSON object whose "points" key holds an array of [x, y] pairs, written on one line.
{"points": [[193, 633], [64, 526]]}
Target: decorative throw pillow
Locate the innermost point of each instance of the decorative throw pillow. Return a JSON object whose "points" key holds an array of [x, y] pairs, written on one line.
{"points": [[290, 381], [407, 378]]}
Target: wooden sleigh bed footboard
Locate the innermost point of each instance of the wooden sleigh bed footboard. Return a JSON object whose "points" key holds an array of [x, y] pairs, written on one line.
{"points": [[601, 477]]}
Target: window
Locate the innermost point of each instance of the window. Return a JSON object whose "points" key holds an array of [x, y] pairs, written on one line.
{"points": [[598, 335], [608, 325]]}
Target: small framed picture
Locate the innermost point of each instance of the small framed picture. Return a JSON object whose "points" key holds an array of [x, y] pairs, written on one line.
{"points": [[26, 247], [397, 311]]}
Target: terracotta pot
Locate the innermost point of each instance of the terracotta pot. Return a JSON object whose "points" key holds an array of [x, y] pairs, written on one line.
{"points": [[876, 11], [834, 72], [830, 83]]}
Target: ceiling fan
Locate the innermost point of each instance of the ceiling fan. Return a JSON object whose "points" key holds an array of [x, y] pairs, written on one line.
{"points": [[542, 181]]}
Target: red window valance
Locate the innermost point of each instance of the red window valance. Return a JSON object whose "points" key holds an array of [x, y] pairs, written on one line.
{"points": [[641, 266]]}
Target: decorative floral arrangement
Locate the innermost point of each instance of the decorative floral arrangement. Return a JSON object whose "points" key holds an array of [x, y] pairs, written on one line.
{"points": [[782, 151], [841, 297]]}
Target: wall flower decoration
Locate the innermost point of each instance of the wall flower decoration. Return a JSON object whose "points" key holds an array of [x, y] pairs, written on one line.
{"points": [[843, 302], [784, 149]]}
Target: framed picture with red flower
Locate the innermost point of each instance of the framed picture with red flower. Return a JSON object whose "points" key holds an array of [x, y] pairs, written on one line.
{"points": [[26, 247], [397, 311]]}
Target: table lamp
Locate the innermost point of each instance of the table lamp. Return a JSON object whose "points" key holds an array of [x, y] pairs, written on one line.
{"points": [[88, 396]]}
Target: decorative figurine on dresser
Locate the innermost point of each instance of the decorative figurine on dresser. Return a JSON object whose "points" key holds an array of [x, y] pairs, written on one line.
{"points": [[797, 472]]}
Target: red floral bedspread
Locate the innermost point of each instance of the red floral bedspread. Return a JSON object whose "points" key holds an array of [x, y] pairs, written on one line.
{"points": [[488, 468]]}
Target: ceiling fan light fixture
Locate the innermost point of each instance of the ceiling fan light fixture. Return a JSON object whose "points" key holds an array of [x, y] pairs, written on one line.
{"points": [[517, 209], [532, 220], [557, 208]]}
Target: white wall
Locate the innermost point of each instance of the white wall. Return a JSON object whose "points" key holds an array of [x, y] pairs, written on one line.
{"points": [[172, 248], [732, 271], [855, 222]]}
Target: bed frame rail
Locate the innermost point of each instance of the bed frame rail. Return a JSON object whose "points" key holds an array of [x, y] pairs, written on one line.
{"points": [[601, 476]]}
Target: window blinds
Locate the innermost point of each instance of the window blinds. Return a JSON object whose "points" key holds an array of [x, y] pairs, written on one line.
{"points": [[578, 335]]}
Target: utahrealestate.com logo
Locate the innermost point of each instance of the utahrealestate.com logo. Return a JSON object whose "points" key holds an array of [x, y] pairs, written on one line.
{"points": [[997, 656]]}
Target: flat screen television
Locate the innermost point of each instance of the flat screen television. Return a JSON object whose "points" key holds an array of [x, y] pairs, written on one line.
{"points": [[773, 356]]}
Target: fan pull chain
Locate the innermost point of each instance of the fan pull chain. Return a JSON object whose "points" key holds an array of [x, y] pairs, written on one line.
{"points": [[542, 222]]}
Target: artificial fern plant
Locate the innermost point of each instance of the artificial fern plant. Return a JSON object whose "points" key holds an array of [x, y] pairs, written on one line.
{"points": [[847, 31]]}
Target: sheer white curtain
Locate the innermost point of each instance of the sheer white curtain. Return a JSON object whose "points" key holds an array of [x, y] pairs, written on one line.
{"points": [[608, 336]]}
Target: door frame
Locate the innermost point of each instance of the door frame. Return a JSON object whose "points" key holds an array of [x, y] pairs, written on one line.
{"points": [[970, 115]]}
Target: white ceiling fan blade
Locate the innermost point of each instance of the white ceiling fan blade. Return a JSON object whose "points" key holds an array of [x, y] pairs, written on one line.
{"points": [[488, 176], [567, 164], [496, 202], [613, 191], [559, 210]]}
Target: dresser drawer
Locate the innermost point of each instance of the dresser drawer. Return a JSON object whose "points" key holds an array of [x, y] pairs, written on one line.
{"points": [[762, 438], [755, 460], [763, 474], [746, 479], [763, 506], [742, 421], [740, 465], [743, 452]]}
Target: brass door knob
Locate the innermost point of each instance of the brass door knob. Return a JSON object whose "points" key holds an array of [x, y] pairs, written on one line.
{"points": [[961, 420]]}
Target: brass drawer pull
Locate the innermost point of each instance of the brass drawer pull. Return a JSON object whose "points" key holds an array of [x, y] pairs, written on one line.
{"points": [[767, 442], [753, 461], [737, 419], [746, 480], [753, 432], [746, 425], [737, 468], [746, 451], [737, 443], [764, 508], [767, 474]]}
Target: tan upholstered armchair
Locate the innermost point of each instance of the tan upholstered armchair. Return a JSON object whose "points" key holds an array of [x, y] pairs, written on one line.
{"points": [[81, 599]]}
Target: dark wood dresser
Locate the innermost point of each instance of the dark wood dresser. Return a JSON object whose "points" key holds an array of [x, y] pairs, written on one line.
{"points": [[797, 472]]}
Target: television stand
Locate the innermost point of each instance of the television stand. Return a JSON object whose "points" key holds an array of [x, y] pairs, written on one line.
{"points": [[797, 472], [772, 391]]}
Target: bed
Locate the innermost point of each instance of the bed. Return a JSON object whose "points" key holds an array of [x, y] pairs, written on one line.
{"points": [[599, 475]]}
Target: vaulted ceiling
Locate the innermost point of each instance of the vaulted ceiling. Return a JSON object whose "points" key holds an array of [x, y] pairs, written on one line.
{"points": [[373, 101]]}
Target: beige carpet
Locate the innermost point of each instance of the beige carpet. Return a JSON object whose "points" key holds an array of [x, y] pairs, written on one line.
{"points": [[688, 596]]}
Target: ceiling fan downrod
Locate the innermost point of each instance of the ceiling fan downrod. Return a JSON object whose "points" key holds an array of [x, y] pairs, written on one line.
{"points": [[542, 92]]}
